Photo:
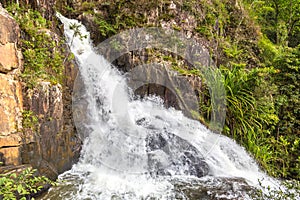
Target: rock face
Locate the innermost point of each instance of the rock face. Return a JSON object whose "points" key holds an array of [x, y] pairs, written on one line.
{"points": [[11, 99], [36, 125], [157, 79], [148, 57], [11, 107], [10, 56], [55, 147]]}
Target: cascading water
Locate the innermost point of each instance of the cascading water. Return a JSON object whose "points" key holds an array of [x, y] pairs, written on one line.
{"points": [[137, 149]]}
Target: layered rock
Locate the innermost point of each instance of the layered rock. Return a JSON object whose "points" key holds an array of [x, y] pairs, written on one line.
{"points": [[10, 55], [11, 99], [56, 146], [36, 125], [11, 106]]}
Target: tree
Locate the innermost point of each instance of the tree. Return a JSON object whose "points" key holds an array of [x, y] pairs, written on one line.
{"points": [[280, 20]]}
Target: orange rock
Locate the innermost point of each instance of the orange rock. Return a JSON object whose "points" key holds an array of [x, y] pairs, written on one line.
{"points": [[11, 155], [10, 55], [12, 140], [11, 105]]}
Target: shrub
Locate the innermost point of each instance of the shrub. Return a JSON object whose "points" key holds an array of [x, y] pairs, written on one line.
{"points": [[22, 185]]}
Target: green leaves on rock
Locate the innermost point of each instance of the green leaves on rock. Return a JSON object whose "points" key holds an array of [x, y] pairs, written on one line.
{"points": [[21, 185]]}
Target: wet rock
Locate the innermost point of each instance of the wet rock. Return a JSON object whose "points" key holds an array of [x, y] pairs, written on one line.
{"points": [[169, 154], [212, 188], [175, 90]]}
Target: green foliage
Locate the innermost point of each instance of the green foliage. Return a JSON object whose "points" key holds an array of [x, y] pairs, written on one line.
{"points": [[29, 119], [232, 51], [105, 28], [289, 191], [280, 20], [42, 51], [87, 6], [251, 117], [269, 51], [20, 186], [288, 109], [77, 33], [241, 105]]}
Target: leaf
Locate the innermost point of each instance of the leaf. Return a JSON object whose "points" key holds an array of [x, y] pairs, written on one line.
{"points": [[20, 189]]}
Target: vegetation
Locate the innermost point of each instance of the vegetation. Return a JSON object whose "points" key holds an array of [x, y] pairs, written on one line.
{"points": [[290, 190], [262, 92], [42, 50], [22, 185], [280, 21], [255, 45], [29, 120]]}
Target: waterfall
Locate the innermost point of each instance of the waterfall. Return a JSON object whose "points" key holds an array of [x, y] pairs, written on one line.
{"points": [[138, 149]]}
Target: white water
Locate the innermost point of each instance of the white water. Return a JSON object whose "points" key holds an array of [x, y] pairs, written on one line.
{"points": [[114, 162]]}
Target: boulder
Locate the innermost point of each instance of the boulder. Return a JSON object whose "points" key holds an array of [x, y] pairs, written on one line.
{"points": [[169, 154]]}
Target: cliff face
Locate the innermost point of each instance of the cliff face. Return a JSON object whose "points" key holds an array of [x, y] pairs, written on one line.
{"points": [[52, 145], [36, 125], [11, 99], [222, 28], [104, 19]]}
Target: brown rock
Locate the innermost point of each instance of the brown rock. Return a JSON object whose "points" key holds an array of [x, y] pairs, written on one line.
{"points": [[11, 105], [51, 144], [11, 155], [13, 169], [10, 55], [9, 29], [56, 146], [12, 140]]}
